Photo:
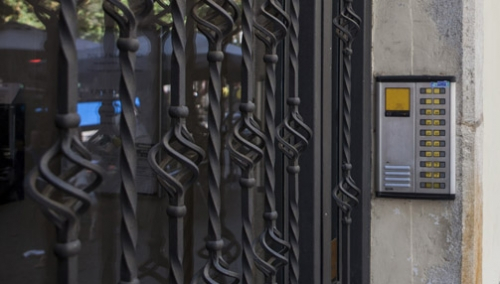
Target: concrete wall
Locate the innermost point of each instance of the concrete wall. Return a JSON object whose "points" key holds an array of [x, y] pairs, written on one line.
{"points": [[429, 241], [491, 189]]}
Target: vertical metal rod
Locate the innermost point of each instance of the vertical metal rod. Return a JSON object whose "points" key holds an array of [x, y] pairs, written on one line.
{"points": [[128, 45], [216, 24], [68, 148], [246, 142], [271, 28], [178, 168], [293, 136], [347, 25]]}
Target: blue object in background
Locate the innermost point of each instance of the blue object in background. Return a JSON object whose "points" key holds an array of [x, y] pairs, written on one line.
{"points": [[89, 113]]}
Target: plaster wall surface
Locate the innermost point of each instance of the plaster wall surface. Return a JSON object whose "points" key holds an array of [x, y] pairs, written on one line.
{"points": [[491, 99], [432, 241]]}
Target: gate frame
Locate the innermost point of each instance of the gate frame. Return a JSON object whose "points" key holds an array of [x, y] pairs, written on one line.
{"points": [[319, 88]]}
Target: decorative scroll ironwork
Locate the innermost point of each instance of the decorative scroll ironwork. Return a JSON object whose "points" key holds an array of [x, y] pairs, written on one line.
{"points": [[293, 136], [178, 169], [159, 17], [246, 142], [216, 22], [347, 25], [271, 27], [128, 44], [61, 201]]}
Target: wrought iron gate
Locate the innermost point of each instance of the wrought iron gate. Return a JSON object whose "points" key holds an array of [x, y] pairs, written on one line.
{"points": [[208, 103]]}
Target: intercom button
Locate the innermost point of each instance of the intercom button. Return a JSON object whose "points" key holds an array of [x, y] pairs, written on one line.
{"points": [[425, 164], [426, 122], [425, 185], [438, 185], [426, 101], [439, 164], [438, 111], [439, 154], [436, 91], [438, 132], [426, 111], [438, 175], [439, 122], [438, 143], [425, 132], [425, 153]]}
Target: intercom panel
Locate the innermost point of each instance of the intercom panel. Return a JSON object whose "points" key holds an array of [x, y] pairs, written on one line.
{"points": [[415, 137]]}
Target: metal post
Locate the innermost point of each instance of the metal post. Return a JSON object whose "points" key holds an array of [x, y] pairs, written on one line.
{"points": [[347, 25], [178, 168], [65, 212], [246, 142], [216, 23], [271, 27], [127, 44], [293, 136]]}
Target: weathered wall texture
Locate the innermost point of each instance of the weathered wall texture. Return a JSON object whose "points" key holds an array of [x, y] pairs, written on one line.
{"points": [[429, 241], [491, 99]]}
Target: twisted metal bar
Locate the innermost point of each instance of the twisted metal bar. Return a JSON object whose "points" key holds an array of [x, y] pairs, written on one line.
{"points": [[347, 25], [246, 142], [215, 24], [158, 18], [271, 27], [178, 169], [293, 136], [128, 45], [60, 201]]}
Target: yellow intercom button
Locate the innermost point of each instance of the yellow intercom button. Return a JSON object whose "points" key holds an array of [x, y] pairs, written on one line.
{"points": [[428, 111], [439, 164], [438, 132], [428, 132], [425, 154], [436, 111], [439, 122], [428, 91], [428, 143], [437, 143], [428, 101], [436, 175], [437, 185], [436, 101], [439, 154], [436, 91], [428, 164], [428, 185], [428, 122], [428, 175]]}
